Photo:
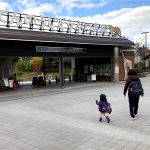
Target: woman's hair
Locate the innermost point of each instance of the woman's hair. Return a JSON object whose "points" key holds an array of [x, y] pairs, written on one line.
{"points": [[103, 98], [132, 72]]}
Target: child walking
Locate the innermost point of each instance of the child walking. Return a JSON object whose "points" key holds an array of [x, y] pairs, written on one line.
{"points": [[104, 108]]}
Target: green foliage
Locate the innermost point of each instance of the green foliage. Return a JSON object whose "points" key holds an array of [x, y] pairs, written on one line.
{"points": [[140, 67], [67, 71], [27, 68], [51, 64], [37, 63], [24, 66], [67, 62], [19, 73]]}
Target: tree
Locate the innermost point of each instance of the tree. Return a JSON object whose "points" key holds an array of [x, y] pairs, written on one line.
{"points": [[37, 64], [24, 66]]}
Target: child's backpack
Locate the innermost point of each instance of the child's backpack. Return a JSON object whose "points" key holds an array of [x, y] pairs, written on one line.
{"points": [[109, 109], [105, 108], [136, 88]]}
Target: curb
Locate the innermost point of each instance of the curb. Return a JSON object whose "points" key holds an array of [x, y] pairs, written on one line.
{"points": [[47, 91]]}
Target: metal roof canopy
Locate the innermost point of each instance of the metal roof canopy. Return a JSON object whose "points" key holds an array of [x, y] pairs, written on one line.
{"points": [[56, 37]]}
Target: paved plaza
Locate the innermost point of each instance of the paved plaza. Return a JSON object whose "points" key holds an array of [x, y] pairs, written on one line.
{"points": [[67, 119]]}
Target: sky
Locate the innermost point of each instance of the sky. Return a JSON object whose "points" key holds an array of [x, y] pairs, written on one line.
{"points": [[131, 16]]}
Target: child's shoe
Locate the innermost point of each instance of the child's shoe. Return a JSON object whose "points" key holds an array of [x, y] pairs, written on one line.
{"points": [[108, 120], [100, 119]]}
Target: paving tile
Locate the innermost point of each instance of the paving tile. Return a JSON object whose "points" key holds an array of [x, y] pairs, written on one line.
{"points": [[67, 119]]}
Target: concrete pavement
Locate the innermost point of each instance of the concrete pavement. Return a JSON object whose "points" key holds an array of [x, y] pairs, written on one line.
{"points": [[68, 120]]}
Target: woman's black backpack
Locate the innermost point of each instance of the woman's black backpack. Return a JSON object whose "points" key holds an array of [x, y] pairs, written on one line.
{"points": [[136, 88]]}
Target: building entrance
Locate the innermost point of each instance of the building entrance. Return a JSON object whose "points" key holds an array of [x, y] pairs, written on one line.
{"points": [[100, 67], [94, 47]]}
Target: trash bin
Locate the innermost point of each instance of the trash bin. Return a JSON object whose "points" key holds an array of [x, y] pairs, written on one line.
{"points": [[6, 81], [14, 84], [34, 81]]}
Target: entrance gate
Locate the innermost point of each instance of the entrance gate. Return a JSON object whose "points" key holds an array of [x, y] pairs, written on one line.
{"points": [[22, 34]]}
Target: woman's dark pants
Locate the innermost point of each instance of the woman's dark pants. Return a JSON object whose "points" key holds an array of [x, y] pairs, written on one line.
{"points": [[133, 104]]}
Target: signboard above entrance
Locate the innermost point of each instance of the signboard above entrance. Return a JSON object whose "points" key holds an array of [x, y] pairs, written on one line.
{"points": [[32, 22], [60, 49]]}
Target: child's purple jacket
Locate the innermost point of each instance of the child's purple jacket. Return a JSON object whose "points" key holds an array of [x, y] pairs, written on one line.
{"points": [[103, 106]]}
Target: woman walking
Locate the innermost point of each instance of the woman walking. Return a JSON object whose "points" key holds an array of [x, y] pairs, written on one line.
{"points": [[133, 96]]}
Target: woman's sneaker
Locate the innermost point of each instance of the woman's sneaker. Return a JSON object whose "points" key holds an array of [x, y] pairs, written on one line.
{"points": [[132, 119], [135, 115]]}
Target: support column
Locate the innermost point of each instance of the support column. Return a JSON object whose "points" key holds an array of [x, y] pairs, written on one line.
{"points": [[72, 73], [61, 71], [116, 64], [5, 67]]}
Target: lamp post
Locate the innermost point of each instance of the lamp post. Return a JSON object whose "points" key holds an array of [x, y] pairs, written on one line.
{"points": [[145, 38], [145, 46]]}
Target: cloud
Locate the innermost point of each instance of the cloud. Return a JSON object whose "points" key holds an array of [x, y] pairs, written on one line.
{"points": [[132, 21], [26, 3], [58, 6], [44, 8], [5, 6], [69, 5], [90, 4], [103, 3]]}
